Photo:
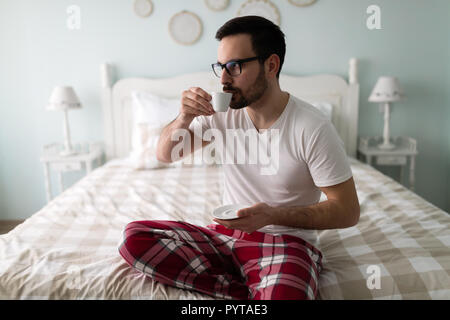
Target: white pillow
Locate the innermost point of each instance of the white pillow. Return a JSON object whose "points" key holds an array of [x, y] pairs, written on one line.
{"points": [[151, 114], [152, 109], [325, 107]]}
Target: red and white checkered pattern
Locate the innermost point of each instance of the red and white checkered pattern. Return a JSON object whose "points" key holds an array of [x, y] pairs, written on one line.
{"points": [[221, 262]]}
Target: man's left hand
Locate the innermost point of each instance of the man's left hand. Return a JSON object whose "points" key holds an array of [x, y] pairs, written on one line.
{"points": [[251, 218]]}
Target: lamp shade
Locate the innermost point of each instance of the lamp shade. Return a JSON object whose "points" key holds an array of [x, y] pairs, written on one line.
{"points": [[387, 89], [62, 98]]}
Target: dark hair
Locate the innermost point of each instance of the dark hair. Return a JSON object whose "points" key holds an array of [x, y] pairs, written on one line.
{"points": [[267, 38]]}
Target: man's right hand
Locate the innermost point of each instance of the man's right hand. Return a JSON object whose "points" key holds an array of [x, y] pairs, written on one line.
{"points": [[195, 102]]}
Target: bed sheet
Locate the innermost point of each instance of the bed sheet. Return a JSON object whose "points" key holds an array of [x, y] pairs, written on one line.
{"points": [[69, 248]]}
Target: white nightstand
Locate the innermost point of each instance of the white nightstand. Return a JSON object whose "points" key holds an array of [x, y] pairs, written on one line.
{"points": [[406, 147], [87, 154]]}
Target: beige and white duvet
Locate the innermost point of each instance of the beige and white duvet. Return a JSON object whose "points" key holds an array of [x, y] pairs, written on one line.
{"points": [[68, 249]]}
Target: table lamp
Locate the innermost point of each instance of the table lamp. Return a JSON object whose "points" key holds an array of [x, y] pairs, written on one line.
{"points": [[386, 90], [64, 98]]}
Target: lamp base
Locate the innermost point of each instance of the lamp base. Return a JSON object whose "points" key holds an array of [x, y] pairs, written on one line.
{"points": [[386, 146]]}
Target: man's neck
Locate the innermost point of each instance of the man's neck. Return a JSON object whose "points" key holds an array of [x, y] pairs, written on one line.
{"points": [[268, 109]]}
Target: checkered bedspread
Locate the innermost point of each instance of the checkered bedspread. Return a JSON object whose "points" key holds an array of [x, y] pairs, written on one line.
{"points": [[69, 248]]}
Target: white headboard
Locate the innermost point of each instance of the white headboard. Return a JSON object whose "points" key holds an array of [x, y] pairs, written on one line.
{"points": [[116, 101]]}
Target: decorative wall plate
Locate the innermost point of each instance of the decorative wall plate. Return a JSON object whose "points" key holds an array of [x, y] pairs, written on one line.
{"points": [[143, 8], [217, 5], [185, 27], [302, 3], [262, 8]]}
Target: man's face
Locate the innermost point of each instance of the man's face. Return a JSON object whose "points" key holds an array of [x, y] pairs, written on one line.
{"points": [[250, 85]]}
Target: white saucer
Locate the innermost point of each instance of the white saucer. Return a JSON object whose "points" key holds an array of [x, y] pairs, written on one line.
{"points": [[229, 211]]}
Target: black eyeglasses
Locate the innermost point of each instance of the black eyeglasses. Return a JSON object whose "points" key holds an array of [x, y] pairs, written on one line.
{"points": [[233, 67]]}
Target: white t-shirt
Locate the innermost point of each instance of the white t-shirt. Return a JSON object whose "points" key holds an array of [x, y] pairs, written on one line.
{"points": [[309, 154]]}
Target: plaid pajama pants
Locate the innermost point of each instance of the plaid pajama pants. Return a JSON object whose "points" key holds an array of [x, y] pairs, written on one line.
{"points": [[223, 263]]}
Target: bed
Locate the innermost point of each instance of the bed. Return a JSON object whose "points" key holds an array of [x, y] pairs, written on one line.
{"points": [[69, 248]]}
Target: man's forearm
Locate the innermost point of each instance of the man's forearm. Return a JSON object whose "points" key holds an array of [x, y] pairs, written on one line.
{"points": [[323, 215], [165, 143]]}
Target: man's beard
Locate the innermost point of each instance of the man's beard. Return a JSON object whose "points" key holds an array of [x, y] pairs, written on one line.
{"points": [[255, 93]]}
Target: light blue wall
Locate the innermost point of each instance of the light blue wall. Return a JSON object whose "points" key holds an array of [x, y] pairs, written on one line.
{"points": [[37, 52], [447, 126]]}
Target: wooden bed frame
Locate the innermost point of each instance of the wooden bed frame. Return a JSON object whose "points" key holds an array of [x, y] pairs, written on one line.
{"points": [[116, 101]]}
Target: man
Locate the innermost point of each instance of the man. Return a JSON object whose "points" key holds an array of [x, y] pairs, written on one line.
{"points": [[269, 251]]}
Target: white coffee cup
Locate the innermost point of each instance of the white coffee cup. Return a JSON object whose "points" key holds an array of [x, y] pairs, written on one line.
{"points": [[221, 101]]}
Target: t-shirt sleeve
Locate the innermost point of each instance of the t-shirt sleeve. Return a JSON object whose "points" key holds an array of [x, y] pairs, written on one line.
{"points": [[199, 125], [326, 157]]}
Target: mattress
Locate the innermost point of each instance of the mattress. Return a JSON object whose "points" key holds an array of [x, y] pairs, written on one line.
{"points": [[69, 248]]}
